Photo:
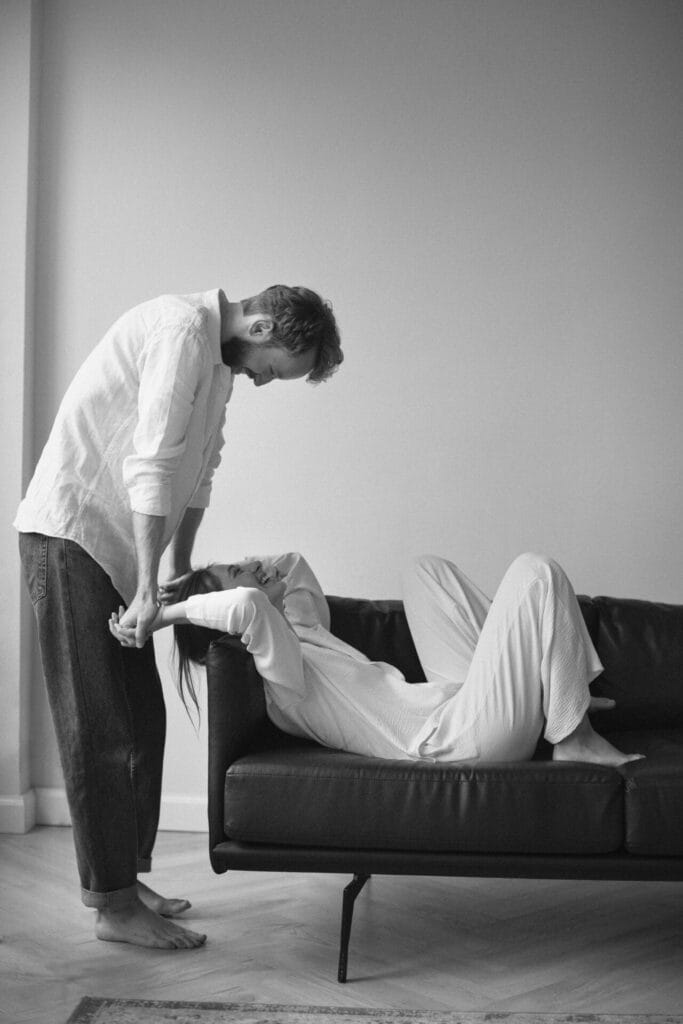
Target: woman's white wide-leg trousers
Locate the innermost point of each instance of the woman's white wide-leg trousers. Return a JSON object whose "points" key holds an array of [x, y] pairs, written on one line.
{"points": [[523, 662]]}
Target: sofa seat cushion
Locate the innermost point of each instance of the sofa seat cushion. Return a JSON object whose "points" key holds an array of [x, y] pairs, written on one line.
{"points": [[654, 792], [305, 795]]}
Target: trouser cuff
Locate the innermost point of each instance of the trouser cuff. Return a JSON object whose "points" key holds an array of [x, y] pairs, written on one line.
{"points": [[118, 899]]}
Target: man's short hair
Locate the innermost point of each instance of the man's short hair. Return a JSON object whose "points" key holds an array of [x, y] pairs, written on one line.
{"points": [[302, 322]]}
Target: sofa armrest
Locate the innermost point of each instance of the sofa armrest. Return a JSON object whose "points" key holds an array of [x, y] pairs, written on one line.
{"points": [[236, 718]]}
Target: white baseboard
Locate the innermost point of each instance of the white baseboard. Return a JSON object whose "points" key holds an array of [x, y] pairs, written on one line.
{"points": [[183, 814], [179, 812], [18, 813], [51, 806]]}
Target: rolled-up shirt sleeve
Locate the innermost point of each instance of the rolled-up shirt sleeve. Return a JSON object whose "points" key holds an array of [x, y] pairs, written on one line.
{"points": [[170, 370], [263, 630]]}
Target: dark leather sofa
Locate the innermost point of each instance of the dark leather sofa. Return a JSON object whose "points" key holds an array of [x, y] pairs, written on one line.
{"points": [[282, 804]]}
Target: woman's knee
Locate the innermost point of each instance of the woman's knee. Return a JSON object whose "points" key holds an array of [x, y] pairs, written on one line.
{"points": [[423, 569], [533, 565], [424, 564]]}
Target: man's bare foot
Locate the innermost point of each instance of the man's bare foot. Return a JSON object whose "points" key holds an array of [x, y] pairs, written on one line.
{"points": [[159, 904], [585, 744], [140, 926]]}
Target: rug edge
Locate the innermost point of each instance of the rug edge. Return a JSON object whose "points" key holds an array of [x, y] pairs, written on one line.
{"points": [[84, 1012]]}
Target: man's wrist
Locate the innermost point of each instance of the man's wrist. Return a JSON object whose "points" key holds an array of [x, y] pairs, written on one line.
{"points": [[148, 532], [177, 569]]}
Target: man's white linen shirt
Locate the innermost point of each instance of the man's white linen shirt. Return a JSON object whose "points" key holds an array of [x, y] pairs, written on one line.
{"points": [[140, 429]]}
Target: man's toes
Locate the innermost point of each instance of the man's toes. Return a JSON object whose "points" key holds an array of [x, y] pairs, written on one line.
{"points": [[172, 907], [186, 939]]}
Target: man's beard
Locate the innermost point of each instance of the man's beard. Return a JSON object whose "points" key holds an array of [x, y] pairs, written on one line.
{"points": [[234, 351]]}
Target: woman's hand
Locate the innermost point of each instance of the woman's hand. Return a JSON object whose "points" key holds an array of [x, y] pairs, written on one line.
{"points": [[126, 634], [140, 615]]}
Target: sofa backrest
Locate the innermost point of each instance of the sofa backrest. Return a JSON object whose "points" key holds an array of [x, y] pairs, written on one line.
{"points": [[379, 629], [640, 644]]}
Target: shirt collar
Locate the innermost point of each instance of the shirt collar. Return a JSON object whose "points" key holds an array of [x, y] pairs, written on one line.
{"points": [[213, 308]]}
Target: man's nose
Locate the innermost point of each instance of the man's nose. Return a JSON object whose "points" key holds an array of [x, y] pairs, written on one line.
{"points": [[263, 378]]}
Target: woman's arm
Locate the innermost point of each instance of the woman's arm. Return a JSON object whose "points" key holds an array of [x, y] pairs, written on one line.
{"points": [[305, 603], [249, 613]]}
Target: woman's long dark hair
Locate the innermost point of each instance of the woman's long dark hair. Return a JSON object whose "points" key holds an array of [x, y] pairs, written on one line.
{"points": [[192, 642]]}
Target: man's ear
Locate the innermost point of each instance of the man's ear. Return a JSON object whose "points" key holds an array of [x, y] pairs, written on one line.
{"points": [[261, 329]]}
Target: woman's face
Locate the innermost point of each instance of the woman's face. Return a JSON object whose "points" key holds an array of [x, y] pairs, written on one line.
{"points": [[250, 574], [244, 574]]}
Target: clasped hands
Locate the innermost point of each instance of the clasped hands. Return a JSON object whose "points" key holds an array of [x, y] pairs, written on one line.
{"points": [[133, 626]]}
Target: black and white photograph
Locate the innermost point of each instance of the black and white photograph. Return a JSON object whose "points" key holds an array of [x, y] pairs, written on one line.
{"points": [[342, 446]]}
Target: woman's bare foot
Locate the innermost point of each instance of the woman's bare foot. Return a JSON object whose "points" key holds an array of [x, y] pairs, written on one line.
{"points": [[601, 704], [159, 904], [585, 744], [141, 926]]}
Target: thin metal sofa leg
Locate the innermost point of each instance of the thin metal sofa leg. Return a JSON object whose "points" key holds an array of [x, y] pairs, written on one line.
{"points": [[349, 898]]}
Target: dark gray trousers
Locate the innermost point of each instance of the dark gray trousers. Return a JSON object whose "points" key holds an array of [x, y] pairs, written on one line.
{"points": [[108, 709]]}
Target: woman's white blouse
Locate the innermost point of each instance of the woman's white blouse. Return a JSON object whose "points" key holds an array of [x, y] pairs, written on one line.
{"points": [[316, 685]]}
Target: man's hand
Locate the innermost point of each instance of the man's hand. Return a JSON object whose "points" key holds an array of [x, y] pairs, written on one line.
{"points": [[170, 589], [139, 616], [148, 532], [180, 551]]}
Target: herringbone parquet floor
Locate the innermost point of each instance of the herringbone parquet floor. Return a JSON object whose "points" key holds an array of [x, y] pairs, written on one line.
{"points": [[424, 943]]}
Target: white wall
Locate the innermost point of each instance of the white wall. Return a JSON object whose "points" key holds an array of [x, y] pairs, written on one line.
{"points": [[489, 191], [19, 59]]}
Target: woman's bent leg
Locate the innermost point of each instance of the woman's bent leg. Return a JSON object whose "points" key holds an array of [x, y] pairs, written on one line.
{"points": [[445, 613], [533, 662]]}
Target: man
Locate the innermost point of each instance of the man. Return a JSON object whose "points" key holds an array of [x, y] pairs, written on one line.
{"points": [[126, 473]]}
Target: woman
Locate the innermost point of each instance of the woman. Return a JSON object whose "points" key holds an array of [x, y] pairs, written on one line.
{"points": [[499, 674]]}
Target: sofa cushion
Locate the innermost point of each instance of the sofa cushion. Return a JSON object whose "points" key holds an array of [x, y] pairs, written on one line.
{"points": [[654, 792], [305, 795], [640, 644]]}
